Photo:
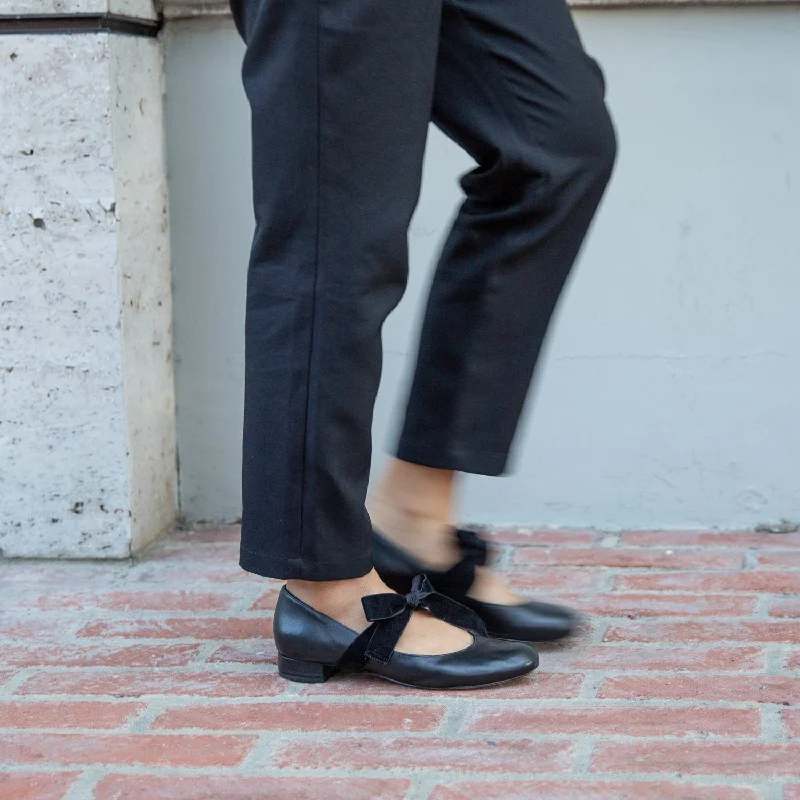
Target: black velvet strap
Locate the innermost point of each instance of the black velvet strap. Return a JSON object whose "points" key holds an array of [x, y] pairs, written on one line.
{"points": [[474, 553], [389, 615]]}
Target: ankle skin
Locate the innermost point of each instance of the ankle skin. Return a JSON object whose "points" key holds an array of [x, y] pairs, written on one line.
{"points": [[413, 506], [339, 599]]}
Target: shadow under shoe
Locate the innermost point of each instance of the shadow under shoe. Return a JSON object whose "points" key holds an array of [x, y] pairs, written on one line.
{"points": [[312, 647]]}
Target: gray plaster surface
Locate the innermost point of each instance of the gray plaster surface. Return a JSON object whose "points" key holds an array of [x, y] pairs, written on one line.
{"points": [[668, 393]]}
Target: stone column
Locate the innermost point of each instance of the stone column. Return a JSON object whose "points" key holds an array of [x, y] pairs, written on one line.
{"points": [[87, 409]]}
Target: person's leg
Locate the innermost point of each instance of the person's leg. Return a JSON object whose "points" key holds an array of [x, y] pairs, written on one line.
{"points": [[517, 91], [340, 94]]}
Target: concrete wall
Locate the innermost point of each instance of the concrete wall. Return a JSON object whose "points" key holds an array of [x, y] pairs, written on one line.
{"points": [[87, 432], [669, 392]]}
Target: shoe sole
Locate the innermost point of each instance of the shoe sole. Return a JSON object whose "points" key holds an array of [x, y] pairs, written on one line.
{"points": [[297, 671], [529, 641]]}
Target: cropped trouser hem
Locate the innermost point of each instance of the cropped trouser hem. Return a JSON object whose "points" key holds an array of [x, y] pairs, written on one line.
{"points": [[302, 568], [448, 456]]}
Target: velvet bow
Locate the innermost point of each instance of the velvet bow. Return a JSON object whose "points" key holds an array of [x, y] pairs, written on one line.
{"points": [[390, 613]]}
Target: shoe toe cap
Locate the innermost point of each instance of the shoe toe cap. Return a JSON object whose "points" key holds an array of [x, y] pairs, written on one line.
{"points": [[507, 659], [553, 622], [531, 622], [523, 659]]}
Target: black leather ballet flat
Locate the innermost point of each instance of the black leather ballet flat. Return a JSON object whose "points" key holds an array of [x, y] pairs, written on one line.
{"points": [[312, 647], [529, 622]]}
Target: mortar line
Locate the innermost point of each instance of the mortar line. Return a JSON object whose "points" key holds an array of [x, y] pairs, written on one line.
{"points": [[771, 724], [205, 650], [422, 787], [584, 749], [591, 685], [750, 563], [15, 681], [454, 717], [608, 540], [402, 771], [83, 788], [263, 752], [777, 659], [142, 722]]}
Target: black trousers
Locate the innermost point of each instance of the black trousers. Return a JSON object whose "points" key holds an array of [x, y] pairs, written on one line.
{"points": [[341, 93]]}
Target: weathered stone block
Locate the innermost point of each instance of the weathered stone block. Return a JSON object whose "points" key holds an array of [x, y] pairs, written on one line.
{"points": [[141, 9], [87, 446]]}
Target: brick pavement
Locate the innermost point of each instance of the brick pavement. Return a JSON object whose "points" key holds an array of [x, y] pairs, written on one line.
{"points": [[157, 680]]}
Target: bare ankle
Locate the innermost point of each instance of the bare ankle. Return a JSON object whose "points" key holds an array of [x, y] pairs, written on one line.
{"points": [[413, 507], [339, 599], [418, 490]]}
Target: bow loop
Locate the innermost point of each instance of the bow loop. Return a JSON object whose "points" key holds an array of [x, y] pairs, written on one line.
{"points": [[383, 606], [386, 606]]}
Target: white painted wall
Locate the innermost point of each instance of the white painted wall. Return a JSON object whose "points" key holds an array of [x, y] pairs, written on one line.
{"points": [[670, 392]]}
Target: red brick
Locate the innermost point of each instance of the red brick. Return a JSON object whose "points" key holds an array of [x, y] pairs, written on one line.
{"points": [[102, 716], [42, 628], [35, 785], [618, 721], [164, 750], [56, 574], [139, 601], [735, 581], [538, 686], [297, 716], [197, 553], [267, 601], [136, 683], [543, 538], [785, 608], [443, 754], [791, 791], [179, 627], [662, 605], [239, 787], [164, 573], [555, 579], [788, 559], [742, 688], [98, 655], [631, 558], [589, 790], [264, 653], [767, 759], [231, 533], [692, 659], [750, 631], [791, 721], [709, 539]]}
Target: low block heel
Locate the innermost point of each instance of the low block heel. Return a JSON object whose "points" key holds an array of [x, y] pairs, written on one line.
{"points": [[304, 671]]}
